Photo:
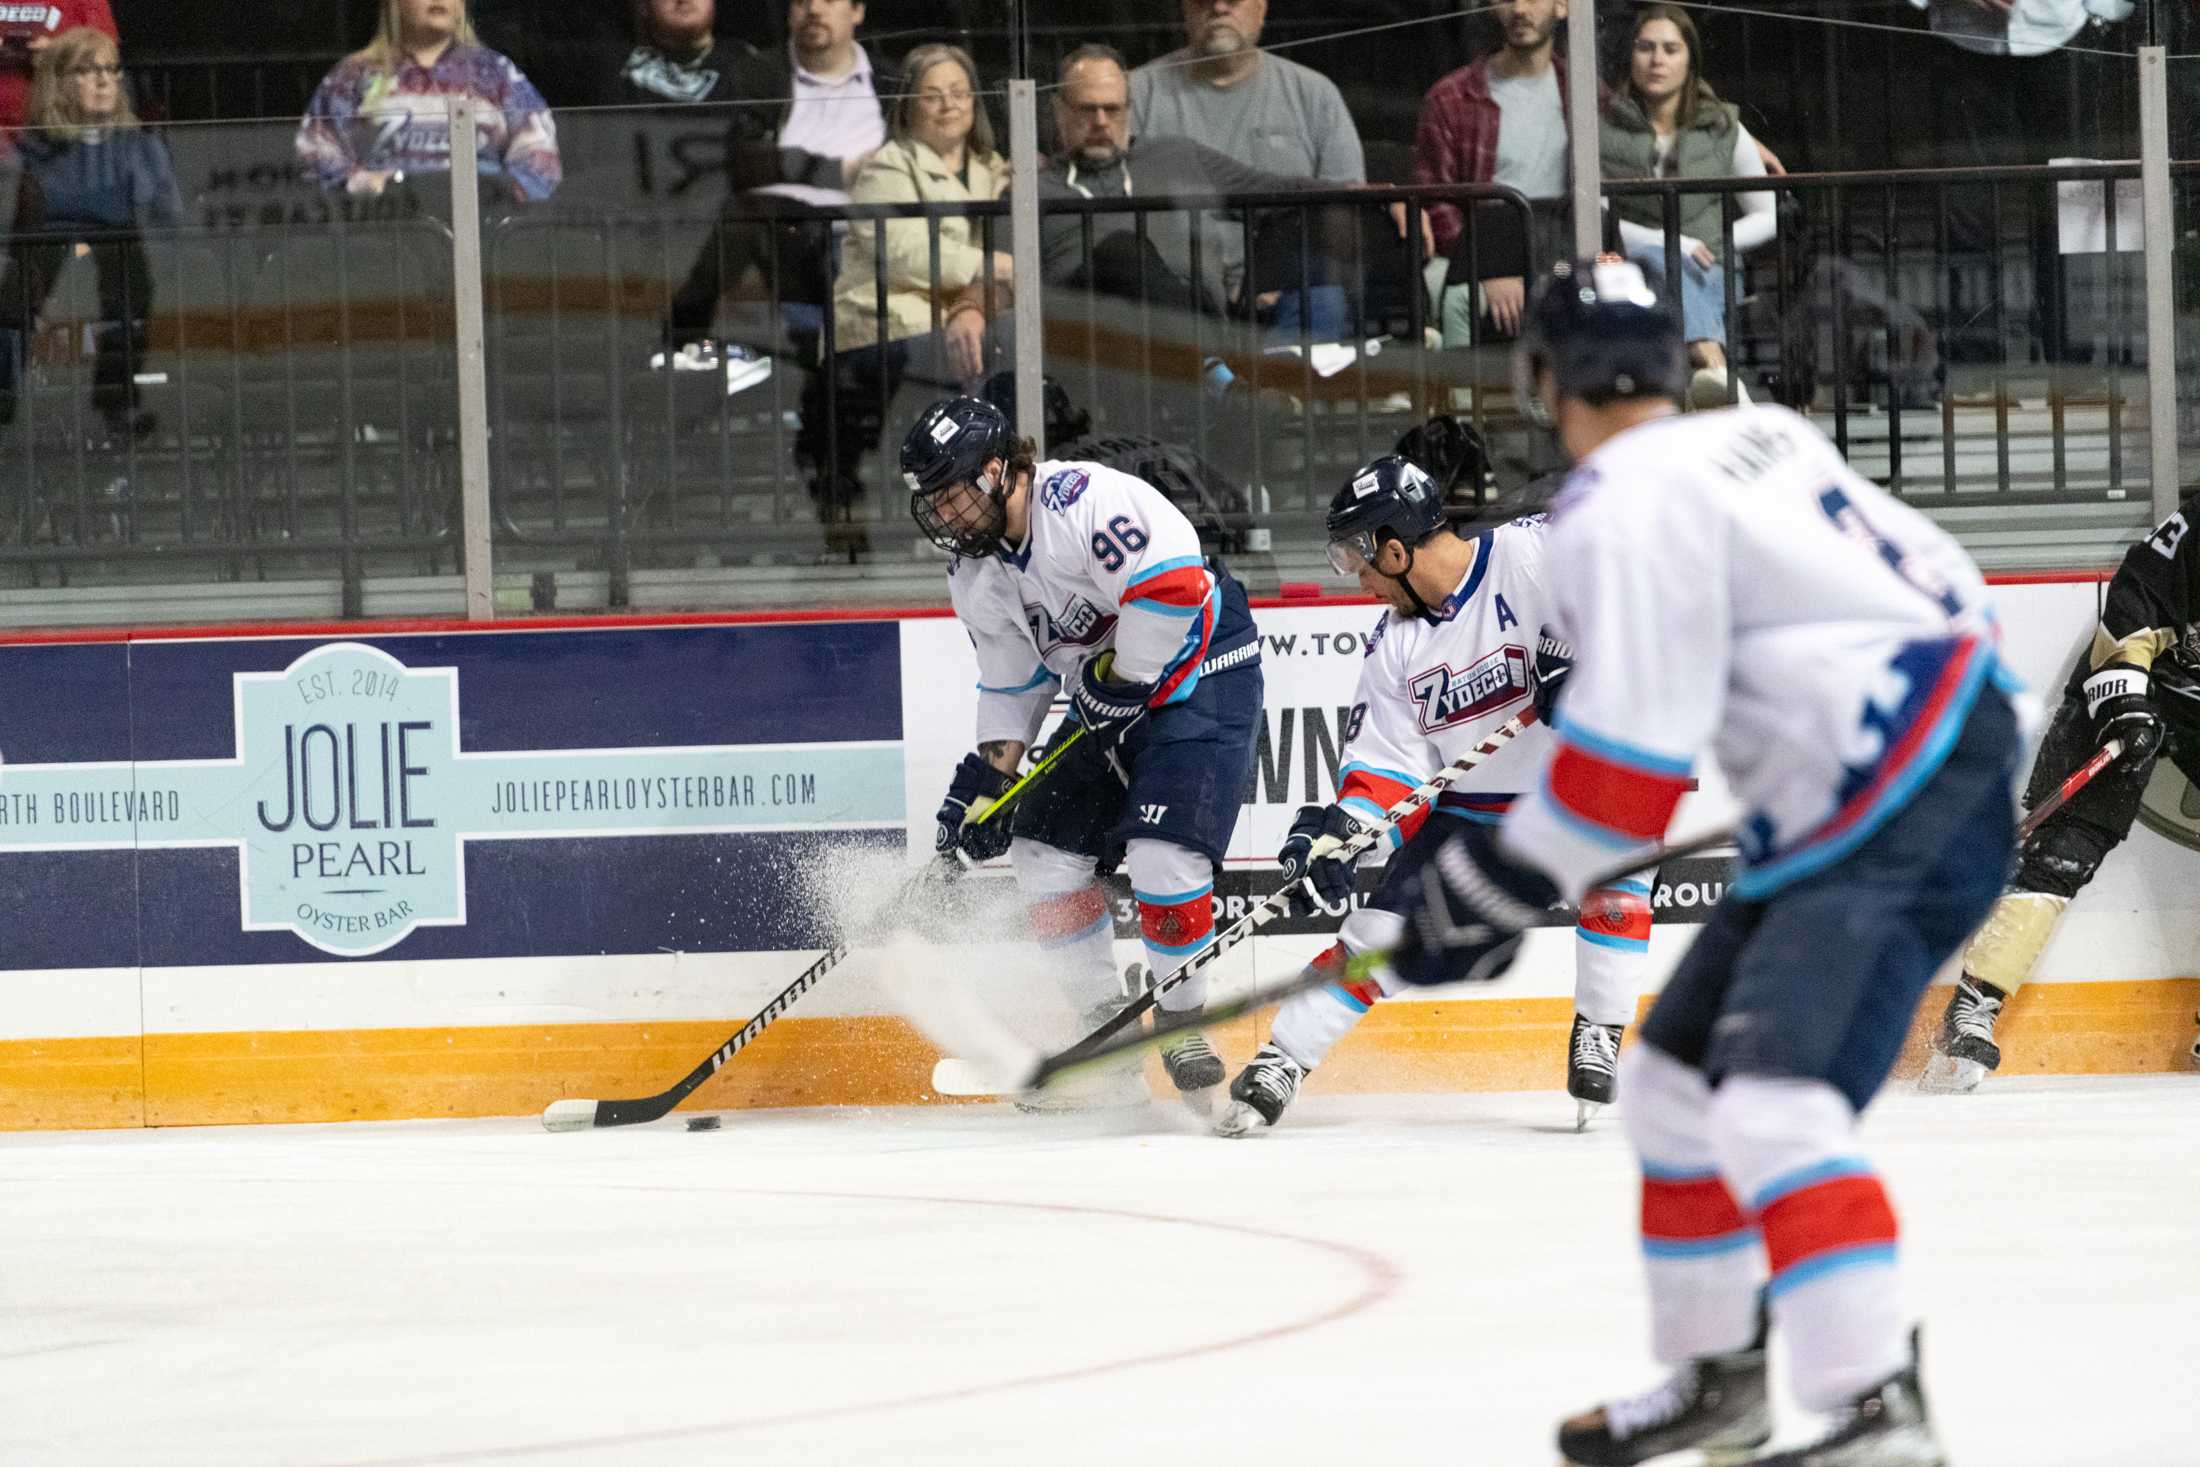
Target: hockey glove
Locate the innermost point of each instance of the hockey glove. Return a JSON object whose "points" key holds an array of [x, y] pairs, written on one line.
{"points": [[976, 785], [1553, 660], [1465, 915], [1105, 707], [1310, 855], [2116, 701]]}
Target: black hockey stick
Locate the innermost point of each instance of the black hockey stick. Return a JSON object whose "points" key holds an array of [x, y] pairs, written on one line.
{"points": [[2079, 778], [1044, 1070], [584, 1115], [957, 1026]]}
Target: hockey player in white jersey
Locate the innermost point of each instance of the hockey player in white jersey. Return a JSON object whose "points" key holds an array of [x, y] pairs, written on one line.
{"points": [[1455, 655], [1071, 574], [1733, 587]]}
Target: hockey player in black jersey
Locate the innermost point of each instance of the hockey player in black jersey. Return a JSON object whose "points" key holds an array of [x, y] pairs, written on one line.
{"points": [[2139, 683]]}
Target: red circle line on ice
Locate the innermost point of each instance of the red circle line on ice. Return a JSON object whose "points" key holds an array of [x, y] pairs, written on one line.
{"points": [[1379, 1280]]}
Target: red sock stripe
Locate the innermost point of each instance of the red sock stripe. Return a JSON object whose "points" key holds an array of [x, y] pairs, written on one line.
{"points": [[1827, 1217], [1178, 924], [1332, 959], [1631, 801], [1617, 913], [1054, 918], [1686, 1212]]}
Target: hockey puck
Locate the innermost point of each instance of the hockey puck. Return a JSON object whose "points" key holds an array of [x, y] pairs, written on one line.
{"points": [[702, 1123]]}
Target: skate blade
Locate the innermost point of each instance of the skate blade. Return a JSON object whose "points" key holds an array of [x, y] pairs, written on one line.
{"points": [[1584, 1112], [1947, 1075], [1201, 1102], [1239, 1120]]}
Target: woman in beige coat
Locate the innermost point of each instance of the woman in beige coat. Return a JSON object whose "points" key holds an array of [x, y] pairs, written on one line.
{"points": [[939, 150]]}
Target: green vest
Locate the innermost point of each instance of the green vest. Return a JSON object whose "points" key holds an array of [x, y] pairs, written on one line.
{"points": [[1703, 149]]}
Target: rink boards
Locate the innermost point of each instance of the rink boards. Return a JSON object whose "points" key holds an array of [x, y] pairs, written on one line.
{"points": [[335, 873]]}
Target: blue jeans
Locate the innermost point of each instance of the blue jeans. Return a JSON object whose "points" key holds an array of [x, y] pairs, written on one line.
{"points": [[1703, 292]]}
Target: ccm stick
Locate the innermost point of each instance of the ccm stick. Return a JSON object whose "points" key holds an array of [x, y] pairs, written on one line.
{"points": [[1036, 1070], [583, 1115], [1006, 1064]]}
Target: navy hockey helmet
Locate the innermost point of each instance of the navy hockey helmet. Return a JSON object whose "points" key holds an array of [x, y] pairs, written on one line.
{"points": [[1456, 457], [1603, 335], [943, 461], [1065, 421], [1390, 499]]}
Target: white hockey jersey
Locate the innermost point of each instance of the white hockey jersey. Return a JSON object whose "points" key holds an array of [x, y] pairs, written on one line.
{"points": [[1731, 584], [1107, 562], [1430, 692]]}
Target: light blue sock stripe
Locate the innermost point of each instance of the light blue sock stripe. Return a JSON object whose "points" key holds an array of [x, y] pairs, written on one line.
{"points": [[1864, 1255], [1104, 923], [1809, 1176], [1348, 1000], [1700, 1247], [1175, 899], [1617, 944]]}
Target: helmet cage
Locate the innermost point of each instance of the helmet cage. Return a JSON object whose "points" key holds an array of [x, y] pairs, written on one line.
{"points": [[960, 536]]}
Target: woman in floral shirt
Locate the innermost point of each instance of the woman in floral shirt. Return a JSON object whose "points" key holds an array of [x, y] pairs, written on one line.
{"points": [[383, 111]]}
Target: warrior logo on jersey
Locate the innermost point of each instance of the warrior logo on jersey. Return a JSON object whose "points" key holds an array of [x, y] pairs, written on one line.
{"points": [[1446, 698], [1081, 624], [1062, 490]]}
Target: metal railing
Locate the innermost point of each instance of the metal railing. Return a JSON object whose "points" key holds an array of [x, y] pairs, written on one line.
{"points": [[302, 376]]}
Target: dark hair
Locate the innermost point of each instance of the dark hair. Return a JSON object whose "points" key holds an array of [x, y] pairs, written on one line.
{"points": [[1695, 91], [1090, 51], [1023, 458]]}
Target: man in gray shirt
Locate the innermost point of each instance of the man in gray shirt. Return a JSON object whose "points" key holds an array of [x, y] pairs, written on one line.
{"points": [[1100, 159], [1224, 91]]}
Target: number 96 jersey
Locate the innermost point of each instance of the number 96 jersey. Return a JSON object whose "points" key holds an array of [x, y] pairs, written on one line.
{"points": [[1107, 563], [1429, 693]]}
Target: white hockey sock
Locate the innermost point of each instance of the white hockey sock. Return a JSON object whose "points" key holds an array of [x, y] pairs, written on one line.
{"points": [[1308, 1027], [1789, 1149], [1069, 915], [1700, 1252], [1611, 949], [1175, 889]]}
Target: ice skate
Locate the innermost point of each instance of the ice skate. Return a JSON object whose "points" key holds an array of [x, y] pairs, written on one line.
{"points": [[1117, 1086], [1194, 1067], [1592, 1068], [1260, 1093], [1717, 1406], [1964, 1051], [1887, 1426]]}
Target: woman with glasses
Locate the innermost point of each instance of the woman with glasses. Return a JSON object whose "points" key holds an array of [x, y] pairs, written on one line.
{"points": [[939, 149], [92, 177]]}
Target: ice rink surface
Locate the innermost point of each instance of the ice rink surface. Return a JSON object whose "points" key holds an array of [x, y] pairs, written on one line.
{"points": [[1382, 1281]]}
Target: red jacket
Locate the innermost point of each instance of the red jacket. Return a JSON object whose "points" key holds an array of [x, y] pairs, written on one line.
{"points": [[20, 22], [1456, 139]]}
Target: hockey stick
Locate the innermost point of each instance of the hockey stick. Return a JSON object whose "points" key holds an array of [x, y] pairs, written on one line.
{"points": [[943, 1017], [583, 1115], [1041, 1070], [2079, 778]]}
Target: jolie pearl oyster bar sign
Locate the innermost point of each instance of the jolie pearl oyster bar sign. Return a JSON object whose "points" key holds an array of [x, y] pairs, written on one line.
{"points": [[351, 801]]}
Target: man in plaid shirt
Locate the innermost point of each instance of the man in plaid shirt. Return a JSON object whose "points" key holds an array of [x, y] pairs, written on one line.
{"points": [[1501, 119]]}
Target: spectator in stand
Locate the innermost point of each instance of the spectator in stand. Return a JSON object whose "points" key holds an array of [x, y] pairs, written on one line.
{"points": [[381, 113], [1499, 120], [2022, 27], [1266, 112], [940, 150], [1667, 122], [27, 29], [91, 175], [1101, 158], [789, 163], [676, 56]]}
